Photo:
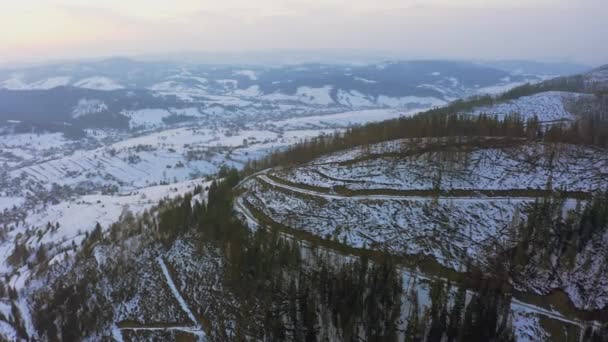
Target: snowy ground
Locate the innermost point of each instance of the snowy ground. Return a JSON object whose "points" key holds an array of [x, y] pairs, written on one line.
{"points": [[547, 107], [80, 215], [73, 185], [17, 149], [166, 156], [98, 83], [341, 119]]}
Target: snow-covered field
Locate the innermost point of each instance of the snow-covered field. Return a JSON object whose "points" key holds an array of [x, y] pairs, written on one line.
{"points": [[164, 156], [547, 107], [98, 83], [55, 190], [77, 216], [341, 119], [16, 83], [28, 148], [33, 141], [147, 118], [304, 97], [453, 230]]}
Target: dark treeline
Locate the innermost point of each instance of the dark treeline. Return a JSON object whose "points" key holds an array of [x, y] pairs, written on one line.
{"points": [[438, 123], [430, 124], [592, 130], [484, 318]]}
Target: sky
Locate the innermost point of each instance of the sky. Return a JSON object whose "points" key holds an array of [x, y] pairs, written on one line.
{"points": [[546, 30]]}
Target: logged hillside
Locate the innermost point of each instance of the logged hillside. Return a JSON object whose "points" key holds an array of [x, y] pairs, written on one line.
{"points": [[217, 279], [458, 203]]}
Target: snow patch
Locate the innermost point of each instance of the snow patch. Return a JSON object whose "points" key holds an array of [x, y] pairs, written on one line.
{"points": [[89, 106], [547, 106], [315, 96], [341, 119], [354, 99], [364, 80], [407, 101], [253, 91], [50, 83], [99, 83], [146, 118], [14, 83], [499, 89], [9, 202], [228, 84], [17, 83], [248, 73]]}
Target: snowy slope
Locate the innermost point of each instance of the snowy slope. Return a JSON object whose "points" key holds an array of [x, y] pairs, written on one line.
{"points": [[98, 83], [434, 199], [524, 167], [86, 107], [548, 107], [339, 120], [16, 83], [80, 214]]}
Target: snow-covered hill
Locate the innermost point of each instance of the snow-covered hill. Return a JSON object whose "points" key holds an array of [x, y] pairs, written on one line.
{"points": [[547, 107], [391, 166], [451, 202], [562, 99], [597, 79]]}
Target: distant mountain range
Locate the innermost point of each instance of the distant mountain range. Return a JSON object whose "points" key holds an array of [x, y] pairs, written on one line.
{"points": [[99, 94], [537, 68]]}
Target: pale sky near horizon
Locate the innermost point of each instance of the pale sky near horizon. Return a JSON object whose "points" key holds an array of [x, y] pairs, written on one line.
{"points": [[556, 30]]}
